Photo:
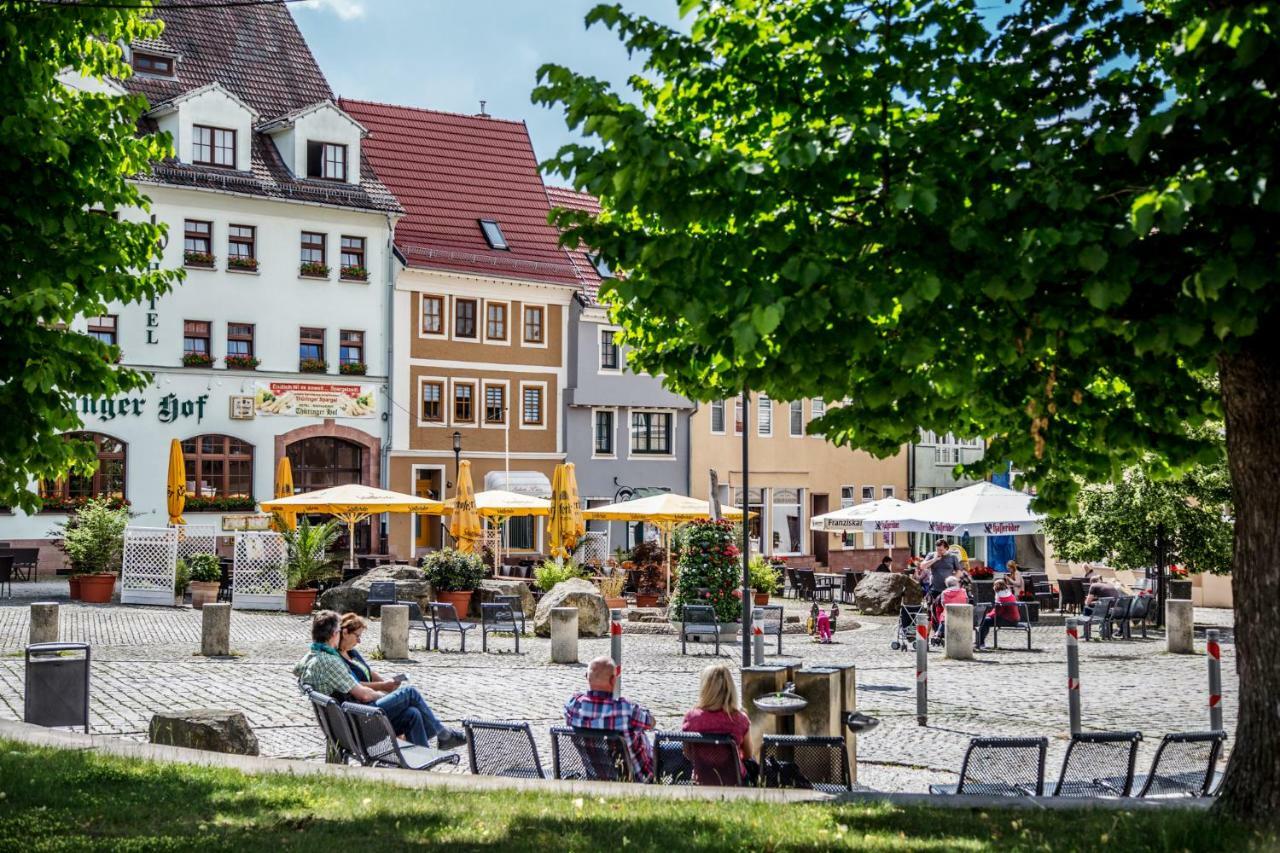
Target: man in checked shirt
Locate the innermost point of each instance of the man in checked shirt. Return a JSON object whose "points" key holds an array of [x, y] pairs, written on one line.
{"points": [[597, 709]]}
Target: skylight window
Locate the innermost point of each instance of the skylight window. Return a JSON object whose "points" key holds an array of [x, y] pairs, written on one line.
{"points": [[493, 234], [601, 265]]}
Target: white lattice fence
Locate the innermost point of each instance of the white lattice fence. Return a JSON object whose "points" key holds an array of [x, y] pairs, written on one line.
{"points": [[149, 566], [196, 539], [594, 548], [258, 574]]}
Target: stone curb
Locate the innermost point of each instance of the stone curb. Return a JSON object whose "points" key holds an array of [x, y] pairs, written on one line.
{"points": [[974, 801]]}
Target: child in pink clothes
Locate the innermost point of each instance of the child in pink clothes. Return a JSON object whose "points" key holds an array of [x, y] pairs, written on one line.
{"points": [[824, 627]]}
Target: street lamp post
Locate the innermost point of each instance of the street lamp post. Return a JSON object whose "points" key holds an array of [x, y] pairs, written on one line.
{"points": [[457, 456], [746, 539]]}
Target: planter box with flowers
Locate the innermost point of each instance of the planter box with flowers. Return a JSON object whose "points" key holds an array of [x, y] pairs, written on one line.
{"points": [[70, 505], [313, 269], [982, 573], [235, 262], [241, 362], [197, 359], [313, 365], [203, 260], [352, 368], [212, 504], [353, 274]]}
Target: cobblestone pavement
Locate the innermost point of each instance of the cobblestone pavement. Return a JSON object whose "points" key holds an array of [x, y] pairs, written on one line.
{"points": [[144, 660]]}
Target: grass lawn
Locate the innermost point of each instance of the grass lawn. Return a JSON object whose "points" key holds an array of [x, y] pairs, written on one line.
{"points": [[61, 799]]}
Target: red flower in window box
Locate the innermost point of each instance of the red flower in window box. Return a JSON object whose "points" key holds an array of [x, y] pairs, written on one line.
{"points": [[313, 365], [352, 368], [197, 359], [197, 259], [235, 262], [354, 273], [241, 362], [313, 269]]}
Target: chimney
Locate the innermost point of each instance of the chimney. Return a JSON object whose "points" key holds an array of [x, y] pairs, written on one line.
{"points": [[482, 113]]}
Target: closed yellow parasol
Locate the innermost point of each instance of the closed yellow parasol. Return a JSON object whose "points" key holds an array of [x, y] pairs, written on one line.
{"points": [[498, 505], [560, 522], [464, 523], [284, 489], [176, 488], [579, 527]]}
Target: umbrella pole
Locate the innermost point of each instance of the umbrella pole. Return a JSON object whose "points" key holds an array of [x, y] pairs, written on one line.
{"points": [[351, 544]]}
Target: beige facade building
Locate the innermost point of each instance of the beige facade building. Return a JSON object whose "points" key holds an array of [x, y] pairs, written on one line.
{"points": [[793, 477]]}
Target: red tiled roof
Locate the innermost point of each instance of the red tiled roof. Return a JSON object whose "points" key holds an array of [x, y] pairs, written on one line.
{"points": [[449, 171], [587, 272]]}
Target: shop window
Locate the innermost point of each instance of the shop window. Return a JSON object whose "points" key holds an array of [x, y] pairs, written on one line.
{"points": [[219, 471]]}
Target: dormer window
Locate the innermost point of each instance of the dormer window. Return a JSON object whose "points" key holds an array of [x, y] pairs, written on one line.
{"points": [[153, 63], [601, 265], [326, 161], [493, 234], [213, 146]]}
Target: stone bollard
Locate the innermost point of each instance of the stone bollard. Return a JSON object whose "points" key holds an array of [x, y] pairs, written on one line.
{"points": [[1214, 650], [1179, 622], [215, 630], [395, 631], [44, 622], [824, 690], [959, 641], [615, 648], [848, 704], [564, 635], [760, 681], [1073, 675], [922, 670]]}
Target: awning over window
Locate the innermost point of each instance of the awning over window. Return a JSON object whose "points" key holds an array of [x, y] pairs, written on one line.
{"points": [[533, 483]]}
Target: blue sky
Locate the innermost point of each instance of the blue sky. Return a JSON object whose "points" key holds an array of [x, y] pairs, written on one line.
{"points": [[449, 54]]}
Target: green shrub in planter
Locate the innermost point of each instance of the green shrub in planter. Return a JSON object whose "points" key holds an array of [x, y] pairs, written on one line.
{"points": [[204, 568], [709, 571], [93, 537], [764, 575], [449, 570], [550, 573], [308, 559]]}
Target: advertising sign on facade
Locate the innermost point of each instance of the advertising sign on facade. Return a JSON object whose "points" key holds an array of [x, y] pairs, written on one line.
{"points": [[314, 400]]}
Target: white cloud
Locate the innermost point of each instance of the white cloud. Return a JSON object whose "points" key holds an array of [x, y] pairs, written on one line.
{"points": [[345, 9]]}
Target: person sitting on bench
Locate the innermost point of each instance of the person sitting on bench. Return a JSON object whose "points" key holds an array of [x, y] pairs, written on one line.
{"points": [[1005, 614]]}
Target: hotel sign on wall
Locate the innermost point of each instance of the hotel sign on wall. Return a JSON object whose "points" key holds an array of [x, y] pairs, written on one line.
{"points": [[314, 400]]}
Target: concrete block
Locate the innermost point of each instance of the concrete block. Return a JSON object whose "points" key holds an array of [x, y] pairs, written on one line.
{"points": [[215, 630], [564, 634], [44, 622], [1179, 623], [960, 640], [395, 631]]}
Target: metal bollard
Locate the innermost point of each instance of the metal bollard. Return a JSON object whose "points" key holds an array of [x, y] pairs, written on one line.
{"points": [[1073, 675], [1215, 679], [922, 670], [757, 638], [615, 648]]}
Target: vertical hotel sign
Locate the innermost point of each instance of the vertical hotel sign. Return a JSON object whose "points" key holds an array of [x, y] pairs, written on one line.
{"points": [[314, 400]]}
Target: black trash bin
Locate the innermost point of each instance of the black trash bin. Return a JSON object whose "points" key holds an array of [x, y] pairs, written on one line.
{"points": [[57, 685]]}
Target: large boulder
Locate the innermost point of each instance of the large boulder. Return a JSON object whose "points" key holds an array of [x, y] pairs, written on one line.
{"points": [[593, 614], [490, 589], [350, 597], [205, 728], [882, 593]]}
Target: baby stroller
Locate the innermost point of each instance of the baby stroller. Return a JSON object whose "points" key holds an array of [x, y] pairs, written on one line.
{"points": [[906, 637]]}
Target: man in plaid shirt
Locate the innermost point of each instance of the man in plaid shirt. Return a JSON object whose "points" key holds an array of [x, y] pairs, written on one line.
{"points": [[597, 709]]}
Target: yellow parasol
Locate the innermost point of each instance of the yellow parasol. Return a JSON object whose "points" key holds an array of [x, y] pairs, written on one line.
{"points": [[176, 488], [464, 522], [560, 522], [499, 505], [284, 489], [665, 511], [579, 526], [352, 504]]}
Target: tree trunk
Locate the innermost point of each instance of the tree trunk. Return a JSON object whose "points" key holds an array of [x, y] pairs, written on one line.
{"points": [[1251, 398]]}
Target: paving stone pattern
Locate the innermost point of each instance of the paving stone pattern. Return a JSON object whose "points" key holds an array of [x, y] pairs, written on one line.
{"points": [[144, 660]]}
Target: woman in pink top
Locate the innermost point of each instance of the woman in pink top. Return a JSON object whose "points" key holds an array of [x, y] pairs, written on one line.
{"points": [[718, 713]]}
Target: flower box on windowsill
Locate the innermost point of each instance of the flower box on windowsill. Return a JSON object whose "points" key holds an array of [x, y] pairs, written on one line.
{"points": [[354, 274], [197, 359], [352, 368], [241, 362], [238, 264], [70, 505], [199, 260], [229, 504], [313, 270], [312, 365]]}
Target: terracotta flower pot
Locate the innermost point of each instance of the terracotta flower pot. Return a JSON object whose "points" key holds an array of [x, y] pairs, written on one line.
{"points": [[460, 599], [299, 602], [202, 593], [618, 603], [644, 599], [74, 584], [761, 599], [97, 588]]}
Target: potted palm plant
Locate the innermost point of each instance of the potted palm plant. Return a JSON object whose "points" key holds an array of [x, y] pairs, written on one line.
{"points": [[204, 574], [307, 561], [93, 540], [454, 576]]}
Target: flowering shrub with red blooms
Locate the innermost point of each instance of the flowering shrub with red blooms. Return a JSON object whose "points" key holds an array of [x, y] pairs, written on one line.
{"points": [[1177, 572], [710, 571], [981, 573]]}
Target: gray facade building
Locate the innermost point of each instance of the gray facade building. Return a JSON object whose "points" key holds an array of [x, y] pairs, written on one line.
{"points": [[930, 463]]}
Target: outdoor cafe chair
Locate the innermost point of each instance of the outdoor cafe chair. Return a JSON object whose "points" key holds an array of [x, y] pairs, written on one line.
{"points": [[1070, 595], [1098, 616], [1184, 765], [689, 758], [445, 618], [224, 578], [597, 755], [517, 607], [1118, 617], [1024, 624], [805, 761], [339, 737], [1098, 764], [6, 573], [379, 745], [792, 587], [25, 563], [497, 618], [699, 621], [771, 622], [850, 583], [380, 593], [806, 585], [1000, 767], [1141, 610], [496, 748]]}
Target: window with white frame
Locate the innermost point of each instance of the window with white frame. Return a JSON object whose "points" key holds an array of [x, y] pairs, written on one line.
{"points": [[604, 432], [737, 416], [764, 415], [797, 418], [717, 417], [888, 492], [817, 408], [787, 521], [848, 538], [651, 433], [947, 451], [531, 405], [608, 350]]}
